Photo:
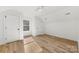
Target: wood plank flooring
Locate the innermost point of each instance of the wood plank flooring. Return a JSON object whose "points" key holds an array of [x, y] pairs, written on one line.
{"points": [[30, 46], [12, 47], [55, 44], [40, 44]]}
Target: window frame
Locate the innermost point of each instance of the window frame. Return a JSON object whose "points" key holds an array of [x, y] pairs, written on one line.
{"points": [[26, 25]]}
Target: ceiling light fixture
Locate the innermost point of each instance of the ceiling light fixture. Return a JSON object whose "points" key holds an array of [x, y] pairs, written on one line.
{"points": [[40, 8], [68, 13]]}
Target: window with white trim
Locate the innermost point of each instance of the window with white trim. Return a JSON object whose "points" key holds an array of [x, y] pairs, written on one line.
{"points": [[25, 25]]}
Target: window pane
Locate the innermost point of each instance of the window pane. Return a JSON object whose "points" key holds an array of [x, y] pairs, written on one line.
{"points": [[26, 28], [25, 22]]}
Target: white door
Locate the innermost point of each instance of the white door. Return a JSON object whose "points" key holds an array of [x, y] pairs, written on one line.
{"points": [[12, 28], [1, 30]]}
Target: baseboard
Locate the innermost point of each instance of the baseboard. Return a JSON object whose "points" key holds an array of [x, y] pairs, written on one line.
{"points": [[61, 37]]}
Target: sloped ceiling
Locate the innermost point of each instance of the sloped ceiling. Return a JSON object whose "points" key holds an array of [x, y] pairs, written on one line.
{"points": [[30, 11], [27, 11], [58, 14]]}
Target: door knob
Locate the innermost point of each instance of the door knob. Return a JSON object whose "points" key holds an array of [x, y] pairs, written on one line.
{"points": [[18, 29]]}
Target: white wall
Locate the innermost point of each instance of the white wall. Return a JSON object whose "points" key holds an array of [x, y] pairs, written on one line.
{"points": [[9, 26], [57, 22], [66, 26], [28, 11], [38, 26]]}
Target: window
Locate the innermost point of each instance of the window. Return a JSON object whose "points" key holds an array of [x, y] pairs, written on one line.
{"points": [[25, 25]]}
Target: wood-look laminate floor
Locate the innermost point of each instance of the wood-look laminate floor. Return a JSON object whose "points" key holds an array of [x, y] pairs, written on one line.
{"points": [[52, 44], [30, 46], [12, 47], [40, 44]]}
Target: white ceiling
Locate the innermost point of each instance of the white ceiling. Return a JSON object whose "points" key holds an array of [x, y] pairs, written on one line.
{"points": [[30, 11], [23, 9]]}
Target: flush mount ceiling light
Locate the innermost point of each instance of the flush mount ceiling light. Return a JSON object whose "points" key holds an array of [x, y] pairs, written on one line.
{"points": [[68, 13], [39, 8]]}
